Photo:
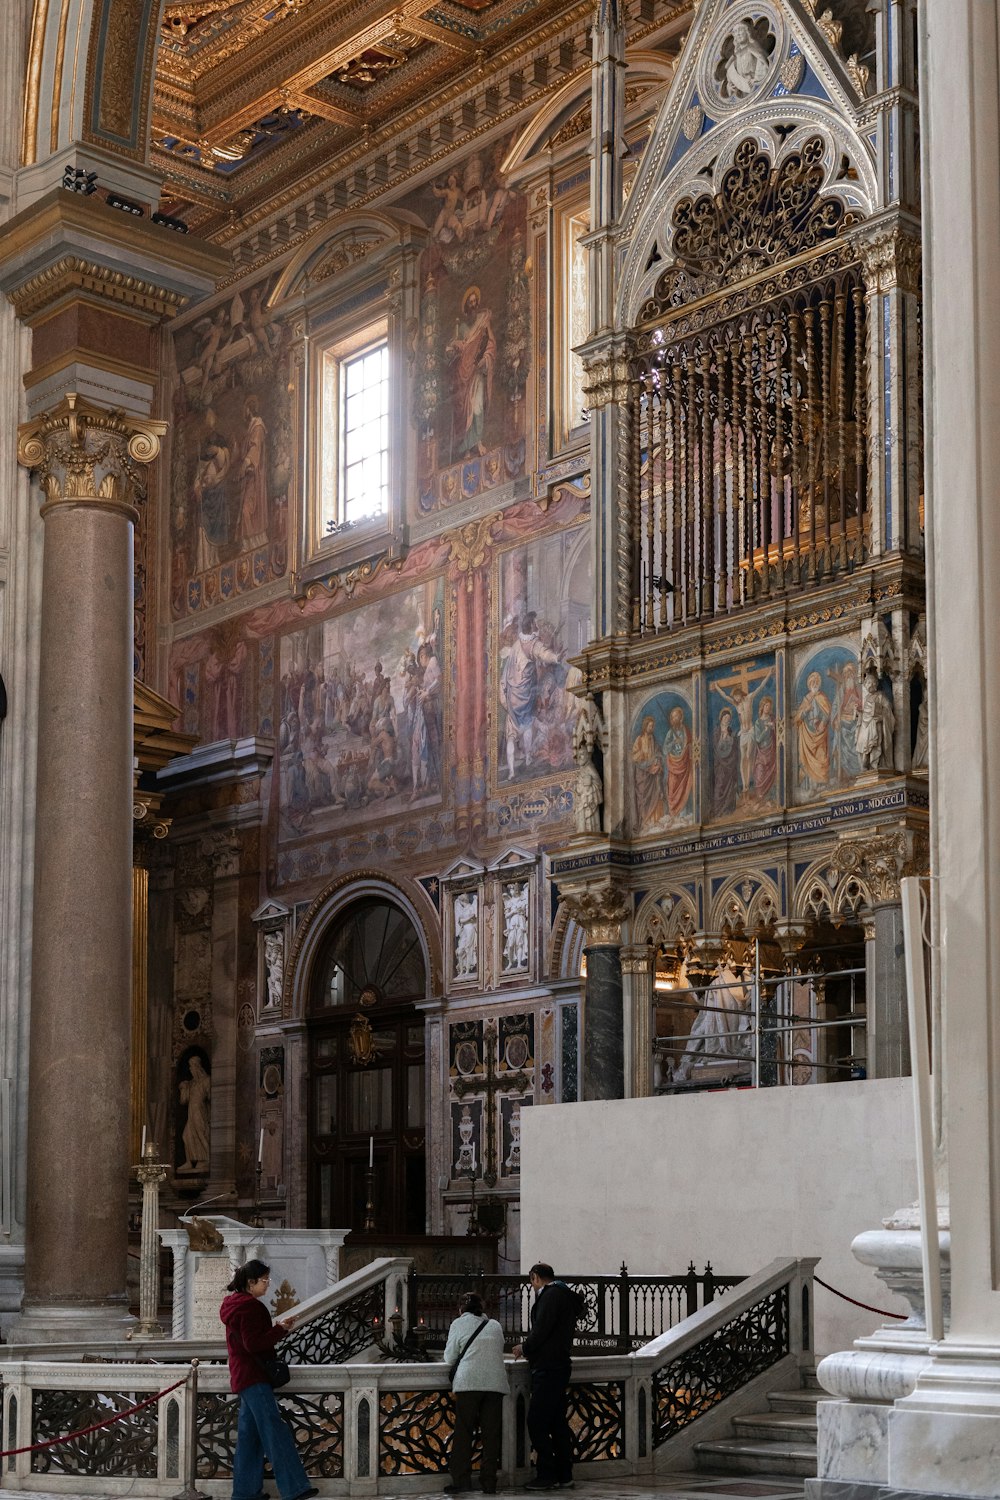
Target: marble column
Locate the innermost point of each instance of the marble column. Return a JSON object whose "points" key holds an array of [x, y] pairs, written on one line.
{"points": [[637, 984], [600, 907], [90, 465], [879, 861]]}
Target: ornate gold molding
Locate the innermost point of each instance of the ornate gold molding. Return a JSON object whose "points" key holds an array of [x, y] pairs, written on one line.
{"points": [[73, 274], [606, 379], [84, 455], [891, 259], [599, 907], [472, 544]]}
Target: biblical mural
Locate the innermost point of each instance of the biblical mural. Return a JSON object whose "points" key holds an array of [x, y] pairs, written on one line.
{"points": [[544, 618], [471, 349], [743, 726], [663, 764], [826, 720], [231, 454], [360, 712]]}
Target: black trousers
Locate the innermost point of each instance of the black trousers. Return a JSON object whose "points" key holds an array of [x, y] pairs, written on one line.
{"points": [[482, 1410], [548, 1427]]}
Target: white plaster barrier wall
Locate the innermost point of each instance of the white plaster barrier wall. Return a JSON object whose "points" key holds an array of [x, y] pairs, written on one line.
{"points": [[737, 1178]]}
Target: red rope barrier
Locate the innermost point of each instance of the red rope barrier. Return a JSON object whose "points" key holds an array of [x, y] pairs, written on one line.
{"points": [[853, 1300], [85, 1431]]}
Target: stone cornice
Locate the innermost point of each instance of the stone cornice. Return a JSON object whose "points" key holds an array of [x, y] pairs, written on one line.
{"points": [[67, 244]]}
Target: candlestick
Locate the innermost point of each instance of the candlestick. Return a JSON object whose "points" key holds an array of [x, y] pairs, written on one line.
{"points": [[142, 1148], [371, 1152], [260, 1148]]}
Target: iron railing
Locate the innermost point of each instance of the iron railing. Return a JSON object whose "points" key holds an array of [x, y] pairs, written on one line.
{"points": [[622, 1312], [358, 1424]]}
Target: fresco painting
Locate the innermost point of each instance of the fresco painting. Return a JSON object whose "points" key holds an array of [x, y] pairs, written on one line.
{"points": [[744, 740], [544, 618], [470, 348], [231, 455], [360, 704], [663, 764], [826, 719]]}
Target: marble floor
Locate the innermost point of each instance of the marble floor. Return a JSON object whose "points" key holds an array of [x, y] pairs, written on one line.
{"points": [[672, 1487]]}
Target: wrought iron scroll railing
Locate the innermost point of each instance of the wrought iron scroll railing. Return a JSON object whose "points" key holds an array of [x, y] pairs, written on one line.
{"points": [[623, 1312], [357, 1425], [749, 445]]}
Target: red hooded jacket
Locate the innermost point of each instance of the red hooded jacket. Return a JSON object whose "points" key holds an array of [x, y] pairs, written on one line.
{"points": [[249, 1331]]}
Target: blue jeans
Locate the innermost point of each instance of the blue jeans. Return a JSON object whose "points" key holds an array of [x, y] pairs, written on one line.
{"points": [[262, 1429]]}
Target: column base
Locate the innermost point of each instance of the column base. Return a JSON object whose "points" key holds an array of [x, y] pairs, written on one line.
{"points": [[845, 1489], [55, 1323]]}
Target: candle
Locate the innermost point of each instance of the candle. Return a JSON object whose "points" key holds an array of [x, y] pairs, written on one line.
{"points": [[371, 1152], [260, 1148], [142, 1148]]}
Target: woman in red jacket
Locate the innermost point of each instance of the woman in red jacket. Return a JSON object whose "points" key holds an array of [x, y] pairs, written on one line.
{"points": [[262, 1429]]}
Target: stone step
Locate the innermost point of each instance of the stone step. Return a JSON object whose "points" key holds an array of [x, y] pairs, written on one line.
{"points": [[776, 1427], [795, 1400], [732, 1456]]}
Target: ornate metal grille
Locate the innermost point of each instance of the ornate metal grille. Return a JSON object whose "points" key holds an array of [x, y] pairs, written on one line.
{"points": [[746, 423], [317, 1423], [415, 1434], [333, 1337], [621, 1312], [720, 1364], [597, 1417], [126, 1449]]}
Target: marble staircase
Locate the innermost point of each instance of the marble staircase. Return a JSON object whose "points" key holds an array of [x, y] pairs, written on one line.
{"points": [[779, 1441]]}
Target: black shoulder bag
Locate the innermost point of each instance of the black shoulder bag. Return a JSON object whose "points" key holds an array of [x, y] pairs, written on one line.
{"points": [[453, 1369], [276, 1371]]}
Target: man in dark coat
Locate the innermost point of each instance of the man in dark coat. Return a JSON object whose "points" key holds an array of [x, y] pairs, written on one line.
{"points": [[548, 1350]]}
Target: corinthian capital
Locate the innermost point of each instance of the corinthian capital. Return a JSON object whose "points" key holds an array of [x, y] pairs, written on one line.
{"points": [[85, 455], [600, 907], [880, 861], [891, 258]]}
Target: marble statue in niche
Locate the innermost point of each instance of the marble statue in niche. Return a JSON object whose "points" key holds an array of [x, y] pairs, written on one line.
{"points": [[515, 926], [588, 790], [875, 726], [744, 59], [195, 1093], [274, 965], [466, 935]]}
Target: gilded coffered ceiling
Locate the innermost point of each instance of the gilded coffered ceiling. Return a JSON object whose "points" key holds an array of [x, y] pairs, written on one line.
{"points": [[254, 97]]}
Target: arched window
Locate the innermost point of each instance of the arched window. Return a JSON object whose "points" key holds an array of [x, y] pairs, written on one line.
{"points": [[367, 1095]]}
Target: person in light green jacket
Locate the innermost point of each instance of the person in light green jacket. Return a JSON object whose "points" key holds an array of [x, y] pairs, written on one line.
{"points": [[479, 1383]]}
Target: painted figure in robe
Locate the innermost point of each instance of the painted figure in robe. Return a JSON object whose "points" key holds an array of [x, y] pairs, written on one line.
{"points": [[677, 748], [725, 773], [844, 725], [472, 354], [765, 750], [520, 679], [209, 493], [742, 703], [812, 723], [253, 478], [647, 777]]}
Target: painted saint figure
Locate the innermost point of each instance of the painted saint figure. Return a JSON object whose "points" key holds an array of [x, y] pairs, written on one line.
{"points": [[472, 355], [812, 722], [679, 755], [208, 490], [765, 750], [520, 677], [844, 723], [253, 478], [725, 781], [647, 777]]}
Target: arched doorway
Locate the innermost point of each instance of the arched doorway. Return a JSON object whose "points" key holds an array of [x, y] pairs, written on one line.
{"points": [[366, 1071]]}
